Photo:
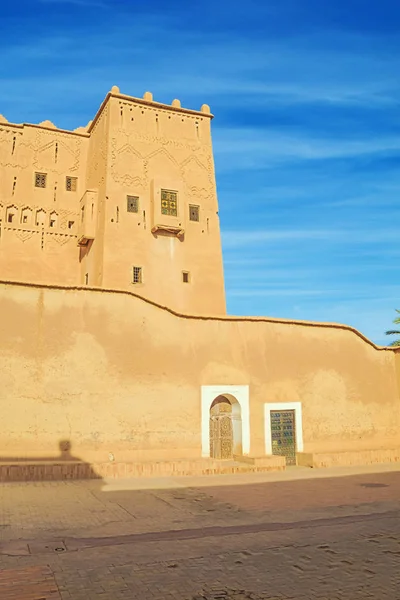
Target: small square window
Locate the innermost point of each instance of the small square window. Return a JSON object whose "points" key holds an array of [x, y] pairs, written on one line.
{"points": [[137, 275], [24, 218], [10, 217], [185, 276], [71, 184], [40, 180], [169, 203], [194, 212], [132, 204], [71, 224], [52, 222]]}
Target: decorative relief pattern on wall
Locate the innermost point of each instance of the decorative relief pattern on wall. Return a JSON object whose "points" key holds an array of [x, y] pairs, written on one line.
{"points": [[179, 143], [198, 178], [29, 220], [130, 168], [58, 239], [23, 234], [127, 166], [56, 152], [97, 162], [11, 149]]}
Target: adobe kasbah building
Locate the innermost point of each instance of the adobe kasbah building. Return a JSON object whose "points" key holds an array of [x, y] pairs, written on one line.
{"points": [[117, 355]]}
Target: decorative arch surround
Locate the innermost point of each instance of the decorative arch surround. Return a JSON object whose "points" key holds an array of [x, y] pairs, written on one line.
{"points": [[209, 393], [12, 214], [278, 406]]}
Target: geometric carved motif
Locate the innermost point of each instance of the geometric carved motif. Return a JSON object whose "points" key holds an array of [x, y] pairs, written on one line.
{"points": [[10, 149], [56, 152], [127, 166], [24, 234], [198, 179], [59, 238]]}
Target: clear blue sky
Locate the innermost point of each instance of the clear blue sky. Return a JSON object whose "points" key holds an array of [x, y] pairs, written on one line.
{"points": [[306, 136]]}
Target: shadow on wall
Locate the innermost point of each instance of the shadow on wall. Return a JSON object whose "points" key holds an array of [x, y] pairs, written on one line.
{"points": [[48, 468]]}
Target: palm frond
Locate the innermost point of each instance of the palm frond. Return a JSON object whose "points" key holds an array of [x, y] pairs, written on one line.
{"points": [[392, 332], [395, 343]]}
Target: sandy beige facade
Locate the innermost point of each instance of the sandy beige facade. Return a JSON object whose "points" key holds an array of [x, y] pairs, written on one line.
{"points": [[153, 369], [118, 375], [127, 202]]}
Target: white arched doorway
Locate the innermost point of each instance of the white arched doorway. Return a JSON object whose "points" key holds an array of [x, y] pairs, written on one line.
{"points": [[225, 422]]}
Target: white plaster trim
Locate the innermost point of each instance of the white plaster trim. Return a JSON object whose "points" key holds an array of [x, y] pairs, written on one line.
{"points": [[296, 406], [208, 395]]}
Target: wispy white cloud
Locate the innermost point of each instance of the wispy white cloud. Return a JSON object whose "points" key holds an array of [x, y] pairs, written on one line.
{"points": [[243, 237], [250, 148]]}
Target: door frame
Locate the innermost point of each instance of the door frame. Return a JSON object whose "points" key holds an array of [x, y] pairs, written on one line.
{"points": [[298, 419], [208, 395]]}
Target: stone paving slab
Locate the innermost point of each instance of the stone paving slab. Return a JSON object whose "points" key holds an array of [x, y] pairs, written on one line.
{"points": [[31, 583], [337, 540]]}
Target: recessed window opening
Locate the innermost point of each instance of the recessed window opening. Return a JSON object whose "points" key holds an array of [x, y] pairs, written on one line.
{"points": [[185, 276], [40, 180], [10, 217], [132, 204], [71, 184], [71, 224], [194, 212], [137, 275], [169, 203], [86, 278]]}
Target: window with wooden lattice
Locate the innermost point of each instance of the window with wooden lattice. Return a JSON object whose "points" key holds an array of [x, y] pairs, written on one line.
{"points": [[71, 184], [132, 204], [169, 203], [40, 180], [194, 212], [137, 275]]}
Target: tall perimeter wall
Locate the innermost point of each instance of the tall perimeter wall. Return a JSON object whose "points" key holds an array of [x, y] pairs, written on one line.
{"points": [[113, 373]]}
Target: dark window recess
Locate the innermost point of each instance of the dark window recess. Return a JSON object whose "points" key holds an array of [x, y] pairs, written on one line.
{"points": [[137, 275], [185, 276], [132, 204], [169, 203], [71, 183], [71, 224], [40, 180], [194, 212]]}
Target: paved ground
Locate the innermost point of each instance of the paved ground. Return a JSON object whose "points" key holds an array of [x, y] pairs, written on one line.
{"points": [[303, 534]]}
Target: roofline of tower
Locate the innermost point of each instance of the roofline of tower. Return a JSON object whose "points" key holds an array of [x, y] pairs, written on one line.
{"points": [[112, 94], [37, 126], [145, 102]]}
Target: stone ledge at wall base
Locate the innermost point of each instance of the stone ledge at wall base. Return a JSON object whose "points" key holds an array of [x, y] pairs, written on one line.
{"points": [[348, 458], [262, 463], [59, 470]]}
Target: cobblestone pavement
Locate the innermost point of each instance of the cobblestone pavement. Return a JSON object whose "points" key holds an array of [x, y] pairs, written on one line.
{"points": [[300, 535]]}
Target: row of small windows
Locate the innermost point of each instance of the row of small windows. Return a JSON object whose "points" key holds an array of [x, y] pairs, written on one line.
{"points": [[40, 218], [71, 183], [169, 205], [137, 275]]}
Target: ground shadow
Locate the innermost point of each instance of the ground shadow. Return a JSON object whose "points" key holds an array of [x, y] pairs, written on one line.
{"points": [[46, 468]]}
